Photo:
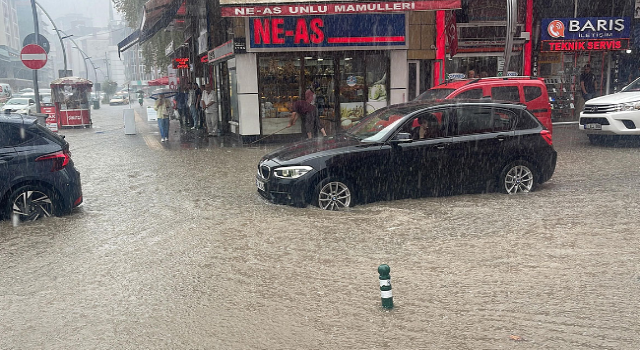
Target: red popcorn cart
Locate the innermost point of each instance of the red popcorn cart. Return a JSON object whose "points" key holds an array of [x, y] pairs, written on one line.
{"points": [[71, 96]]}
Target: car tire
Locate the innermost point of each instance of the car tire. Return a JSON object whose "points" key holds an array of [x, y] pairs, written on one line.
{"points": [[333, 194], [517, 177], [31, 202]]}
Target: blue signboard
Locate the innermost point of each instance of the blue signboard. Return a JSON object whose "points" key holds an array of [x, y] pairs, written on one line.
{"points": [[587, 28], [361, 30]]}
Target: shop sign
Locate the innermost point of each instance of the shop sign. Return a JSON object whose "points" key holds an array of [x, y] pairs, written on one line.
{"points": [[326, 31], [202, 43], [169, 49], [221, 52], [586, 28], [181, 63], [586, 45], [323, 7]]}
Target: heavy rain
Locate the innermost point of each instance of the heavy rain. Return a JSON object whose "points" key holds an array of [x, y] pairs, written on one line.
{"points": [[177, 240]]}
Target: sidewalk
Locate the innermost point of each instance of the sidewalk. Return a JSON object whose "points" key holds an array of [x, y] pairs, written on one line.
{"points": [[179, 138]]}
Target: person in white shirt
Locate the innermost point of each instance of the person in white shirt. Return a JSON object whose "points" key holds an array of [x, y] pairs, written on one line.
{"points": [[210, 107]]}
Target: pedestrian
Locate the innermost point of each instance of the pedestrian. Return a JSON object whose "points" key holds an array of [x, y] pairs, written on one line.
{"points": [[181, 103], [308, 117], [198, 92], [210, 107], [162, 107], [587, 83], [192, 104]]}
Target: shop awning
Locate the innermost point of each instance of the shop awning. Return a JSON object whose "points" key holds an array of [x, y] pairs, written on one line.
{"points": [[159, 81], [157, 15]]}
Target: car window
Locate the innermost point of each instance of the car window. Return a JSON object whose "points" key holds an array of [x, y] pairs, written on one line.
{"points": [[434, 125], [31, 101], [505, 93], [434, 94], [503, 120], [526, 121], [473, 120], [14, 135], [531, 92], [470, 94]]}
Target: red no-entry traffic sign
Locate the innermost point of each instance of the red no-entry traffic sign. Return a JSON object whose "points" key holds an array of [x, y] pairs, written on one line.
{"points": [[33, 56]]}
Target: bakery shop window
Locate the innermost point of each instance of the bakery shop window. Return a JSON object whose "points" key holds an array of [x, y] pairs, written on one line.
{"points": [[280, 83], [363, 86]]}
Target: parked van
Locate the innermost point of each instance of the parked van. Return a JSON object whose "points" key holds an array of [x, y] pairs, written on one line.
{"points": [[529, 91], [5, 92]]}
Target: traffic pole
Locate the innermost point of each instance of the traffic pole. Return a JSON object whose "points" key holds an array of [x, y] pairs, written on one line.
{"points": [[36, 30], [385, 286]]}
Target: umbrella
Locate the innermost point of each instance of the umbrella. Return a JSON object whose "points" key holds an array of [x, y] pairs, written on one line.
{"points": [[164, 91]]}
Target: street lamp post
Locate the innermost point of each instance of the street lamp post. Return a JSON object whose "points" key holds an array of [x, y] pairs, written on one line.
{"points": [[64, 53]]}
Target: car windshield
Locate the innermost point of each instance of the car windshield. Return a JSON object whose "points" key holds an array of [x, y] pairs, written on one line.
{"points": [[434, 94], [633, 87], [18, 101], [376, 126]]}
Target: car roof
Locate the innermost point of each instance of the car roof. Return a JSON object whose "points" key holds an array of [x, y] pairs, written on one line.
{"points": [[455, 84], [419, 104], [14, 118]]}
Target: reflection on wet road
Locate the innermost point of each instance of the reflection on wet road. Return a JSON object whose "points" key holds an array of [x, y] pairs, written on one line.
{"points": [[174, 249]]}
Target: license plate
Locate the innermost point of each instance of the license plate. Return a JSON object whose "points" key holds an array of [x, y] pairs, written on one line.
{"points": [[593, 126], [260, 185]]}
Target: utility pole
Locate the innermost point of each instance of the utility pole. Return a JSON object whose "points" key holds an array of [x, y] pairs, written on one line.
{"points": [[64, 53], [35, 71]]}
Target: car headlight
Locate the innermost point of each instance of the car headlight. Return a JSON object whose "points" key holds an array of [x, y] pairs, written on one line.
{"points": [[628, 106], [291, 172]]}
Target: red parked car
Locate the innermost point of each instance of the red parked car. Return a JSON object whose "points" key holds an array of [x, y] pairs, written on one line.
{"points": [[529, 91]]}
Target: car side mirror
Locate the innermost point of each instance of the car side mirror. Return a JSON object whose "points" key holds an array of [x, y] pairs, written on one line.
{"points": [[402, 137]]}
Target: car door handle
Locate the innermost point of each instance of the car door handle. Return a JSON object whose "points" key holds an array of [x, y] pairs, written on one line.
{"points": [[501, 137], [441, 146]]}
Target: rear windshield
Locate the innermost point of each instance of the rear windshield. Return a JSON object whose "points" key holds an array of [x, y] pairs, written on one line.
{"points": [[44, 131], [435, 94]]}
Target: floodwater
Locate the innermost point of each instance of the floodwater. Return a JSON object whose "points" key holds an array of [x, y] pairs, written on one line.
{"points": [[174, 249]]}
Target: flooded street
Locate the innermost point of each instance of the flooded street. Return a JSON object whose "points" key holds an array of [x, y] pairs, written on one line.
{"points": [[174, 249]]}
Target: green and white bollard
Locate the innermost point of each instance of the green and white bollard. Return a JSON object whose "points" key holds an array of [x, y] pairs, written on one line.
{"points": [[385, 286]]}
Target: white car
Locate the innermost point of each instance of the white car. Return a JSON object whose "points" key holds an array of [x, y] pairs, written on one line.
{"points": [[613, 115], [21, 105]]}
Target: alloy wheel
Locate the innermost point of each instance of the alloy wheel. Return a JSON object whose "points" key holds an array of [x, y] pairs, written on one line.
{"points": [[31, 205], [334, 196], [518, 179]]}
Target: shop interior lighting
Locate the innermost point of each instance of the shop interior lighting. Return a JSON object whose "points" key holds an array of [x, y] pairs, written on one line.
{"points": [[320, 59]]}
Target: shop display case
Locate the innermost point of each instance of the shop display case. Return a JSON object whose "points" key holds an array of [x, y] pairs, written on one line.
{"points": [[561, 95]]}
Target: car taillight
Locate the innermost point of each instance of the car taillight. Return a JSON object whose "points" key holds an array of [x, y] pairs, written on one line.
{"points": [[546, 135], [60, 159]]}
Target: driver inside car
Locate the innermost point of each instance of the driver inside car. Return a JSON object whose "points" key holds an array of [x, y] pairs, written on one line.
{"points": [[427, 127]]}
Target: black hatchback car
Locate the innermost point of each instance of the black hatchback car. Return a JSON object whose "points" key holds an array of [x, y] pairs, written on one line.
{"points": [[413, 150], [37, 176]]}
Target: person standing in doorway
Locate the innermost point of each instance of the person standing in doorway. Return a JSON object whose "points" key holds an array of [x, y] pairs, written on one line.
{"points": [[210, 107], [587, 83]]}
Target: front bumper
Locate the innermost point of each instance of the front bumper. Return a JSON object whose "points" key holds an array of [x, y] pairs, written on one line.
{"points": [[285, 191], [613, 123]]}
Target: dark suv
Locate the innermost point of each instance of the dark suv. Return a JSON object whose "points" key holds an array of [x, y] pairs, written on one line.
{"points": [[412, 150], [37, 176]]}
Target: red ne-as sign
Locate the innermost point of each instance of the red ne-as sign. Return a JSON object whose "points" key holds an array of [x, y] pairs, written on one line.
{"points": [[271, 31]]}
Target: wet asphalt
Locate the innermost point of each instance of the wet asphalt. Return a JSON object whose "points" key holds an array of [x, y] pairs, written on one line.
{"points": [[174, 249]]}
